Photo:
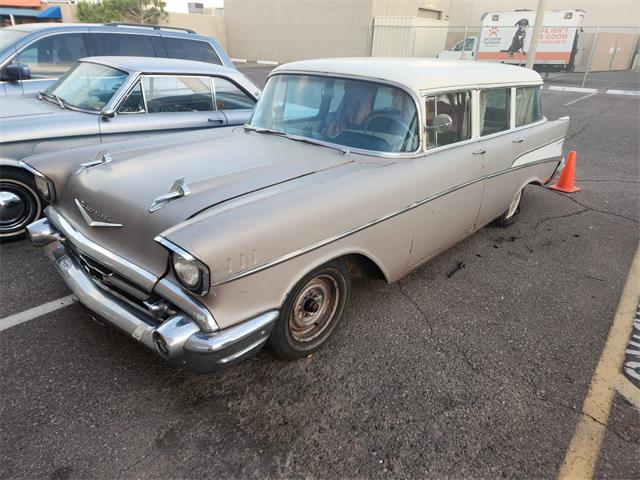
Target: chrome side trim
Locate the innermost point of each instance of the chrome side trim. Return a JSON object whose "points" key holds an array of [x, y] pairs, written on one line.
{"points": [[118, 264], [339, 236], [534, 149]]}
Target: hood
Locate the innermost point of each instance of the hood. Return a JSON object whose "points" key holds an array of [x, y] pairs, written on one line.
{"points": [[44, 120], [217, 167], [25, 107]]}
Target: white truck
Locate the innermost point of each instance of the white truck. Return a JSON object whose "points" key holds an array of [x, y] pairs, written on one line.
{"points": [[506, 37]]}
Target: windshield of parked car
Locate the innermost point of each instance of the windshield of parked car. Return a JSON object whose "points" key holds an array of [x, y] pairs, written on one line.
{"points": [[351, 113], [88, 86], [8, 37]]}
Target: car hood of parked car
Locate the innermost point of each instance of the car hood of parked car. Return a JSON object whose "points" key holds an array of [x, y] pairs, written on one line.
{"points": [[25, 107], [24, 119], [214, 166]]}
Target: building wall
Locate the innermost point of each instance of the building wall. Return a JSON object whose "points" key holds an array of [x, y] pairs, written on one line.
{"points": [[605, 13], [212, 26], [286, 30]]}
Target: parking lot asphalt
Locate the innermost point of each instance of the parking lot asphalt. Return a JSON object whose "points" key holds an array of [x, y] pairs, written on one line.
{"points": [[478, 371]]}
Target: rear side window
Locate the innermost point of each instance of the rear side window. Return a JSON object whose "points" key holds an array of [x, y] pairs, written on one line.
{"points": [[528, 106], [118, 44], [494, 111], [457, 105], [191, 50], [178, 94], [53, 55]]}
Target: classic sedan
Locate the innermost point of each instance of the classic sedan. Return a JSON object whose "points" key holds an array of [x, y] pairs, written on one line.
{"points": [[106, 99], [206, 248]]}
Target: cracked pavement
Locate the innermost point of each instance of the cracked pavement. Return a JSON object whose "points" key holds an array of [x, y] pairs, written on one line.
{"points": [[474, 365]]}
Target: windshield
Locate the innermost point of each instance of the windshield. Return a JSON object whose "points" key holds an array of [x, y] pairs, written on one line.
{"points": [[88, 86], [9, 37], [352, 113]]}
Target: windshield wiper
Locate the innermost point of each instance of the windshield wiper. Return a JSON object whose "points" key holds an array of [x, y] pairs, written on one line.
{"points": [[313, 141], [297, 138], [54, 97], [263, 130]]}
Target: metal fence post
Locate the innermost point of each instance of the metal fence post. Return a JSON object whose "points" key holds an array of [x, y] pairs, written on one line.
{"points": [[593, 48], [464, 43]]}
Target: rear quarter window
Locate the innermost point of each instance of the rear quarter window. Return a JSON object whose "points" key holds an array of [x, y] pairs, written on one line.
{"points": [[191, 50], [528, 106], [120, 44]]}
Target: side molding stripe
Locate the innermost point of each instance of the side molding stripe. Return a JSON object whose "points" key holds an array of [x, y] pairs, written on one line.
{"points": [[339, 236]]}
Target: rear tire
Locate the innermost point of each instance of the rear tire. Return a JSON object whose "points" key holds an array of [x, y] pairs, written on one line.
{"points": [[20, 203], [312, 311], [511, 215]]}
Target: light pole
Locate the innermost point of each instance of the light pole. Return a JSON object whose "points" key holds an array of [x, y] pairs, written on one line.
{"points": [[533, 47]]}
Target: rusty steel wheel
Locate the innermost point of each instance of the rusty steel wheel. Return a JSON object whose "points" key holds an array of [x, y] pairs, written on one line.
{"points": [[312, 311], [313, 308]]}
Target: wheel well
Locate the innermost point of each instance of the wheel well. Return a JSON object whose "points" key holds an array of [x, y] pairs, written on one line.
{"points": [[362, 266]]}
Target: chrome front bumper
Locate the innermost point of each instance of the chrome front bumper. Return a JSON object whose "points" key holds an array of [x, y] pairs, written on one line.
{"points": [[179, 339]]}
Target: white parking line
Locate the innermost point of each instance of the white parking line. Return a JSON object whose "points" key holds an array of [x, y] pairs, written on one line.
{"points": [[572, 89], [35, 312], [578, 99]]}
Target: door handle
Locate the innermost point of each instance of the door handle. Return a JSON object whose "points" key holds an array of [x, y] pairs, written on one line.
{"points": [[481, 151], [518, 140], [216, 120]]}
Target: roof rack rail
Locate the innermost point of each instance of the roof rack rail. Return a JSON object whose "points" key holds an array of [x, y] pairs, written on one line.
{"points": [[155, 27]]}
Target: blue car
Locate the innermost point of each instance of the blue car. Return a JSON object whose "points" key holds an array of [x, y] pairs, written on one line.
{"points": [[33, 56]]}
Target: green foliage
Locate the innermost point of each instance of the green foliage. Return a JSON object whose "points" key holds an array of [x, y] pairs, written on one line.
{"points": [[149, 12]]}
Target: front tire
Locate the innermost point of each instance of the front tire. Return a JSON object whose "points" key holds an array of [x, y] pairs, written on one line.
{"points": [[312, 311], [511, 215], [20, 203]]}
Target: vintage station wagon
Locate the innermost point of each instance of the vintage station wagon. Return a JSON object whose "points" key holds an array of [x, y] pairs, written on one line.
{"points": [[206, 246]]}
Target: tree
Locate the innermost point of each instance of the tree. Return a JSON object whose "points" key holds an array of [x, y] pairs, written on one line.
{"points": [[145, 11], [137, 11], [100, 12]]}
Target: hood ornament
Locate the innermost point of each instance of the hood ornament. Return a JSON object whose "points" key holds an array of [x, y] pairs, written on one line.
{"points": [[102, 157], [88, 213], [178, 190]]}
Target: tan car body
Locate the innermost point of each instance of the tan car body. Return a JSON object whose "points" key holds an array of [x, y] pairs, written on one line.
{"points": [[263, 211]]}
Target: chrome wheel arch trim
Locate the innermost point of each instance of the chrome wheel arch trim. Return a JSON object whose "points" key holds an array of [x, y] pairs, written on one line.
{"points": [[340, 236]]}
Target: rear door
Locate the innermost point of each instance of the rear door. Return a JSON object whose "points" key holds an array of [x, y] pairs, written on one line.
{"points": [[162, 104]]}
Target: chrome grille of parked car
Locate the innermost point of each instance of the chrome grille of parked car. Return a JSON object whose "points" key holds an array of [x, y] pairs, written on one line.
{"points": [[106, 278]]}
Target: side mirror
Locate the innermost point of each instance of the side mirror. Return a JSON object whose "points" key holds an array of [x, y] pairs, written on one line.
{"points": [[17, 71], [441, 124], [108, 113]]}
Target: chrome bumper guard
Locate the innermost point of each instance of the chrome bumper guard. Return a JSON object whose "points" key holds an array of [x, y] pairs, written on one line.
{"points": [[179, 339]]}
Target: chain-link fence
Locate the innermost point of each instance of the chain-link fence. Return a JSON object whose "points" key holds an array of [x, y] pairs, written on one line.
{"points": [[569, 56]]}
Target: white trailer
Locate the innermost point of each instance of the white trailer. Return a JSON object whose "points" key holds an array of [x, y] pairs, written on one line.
{"points": [[506, 37]]}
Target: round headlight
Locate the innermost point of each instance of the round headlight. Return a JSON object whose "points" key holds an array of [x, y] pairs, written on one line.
{"points": [[43, 187], [187, 271]]}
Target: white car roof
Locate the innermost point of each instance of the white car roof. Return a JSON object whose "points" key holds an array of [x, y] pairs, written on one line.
{"points": [[419, 73]]}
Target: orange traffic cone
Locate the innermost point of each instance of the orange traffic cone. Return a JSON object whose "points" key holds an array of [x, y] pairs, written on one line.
{"points": [[565, 184]]}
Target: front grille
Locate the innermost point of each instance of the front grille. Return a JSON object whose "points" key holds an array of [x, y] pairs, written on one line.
{"points": [[111, 281]]}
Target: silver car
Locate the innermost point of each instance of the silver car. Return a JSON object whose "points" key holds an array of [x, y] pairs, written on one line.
{"points": [[205, 248], [107, 99]]}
